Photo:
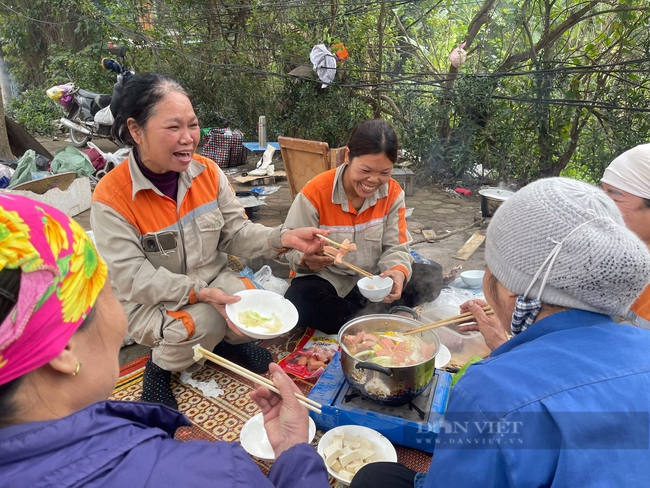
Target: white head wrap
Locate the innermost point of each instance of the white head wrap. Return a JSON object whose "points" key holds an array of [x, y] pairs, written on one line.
{"points": [[630, 171]]}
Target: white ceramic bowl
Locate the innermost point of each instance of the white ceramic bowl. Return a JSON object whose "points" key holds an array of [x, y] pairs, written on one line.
{"points": [[383, 287], [473, 278], [384, 449], [443, 357], [255, 442], [266, 304]]}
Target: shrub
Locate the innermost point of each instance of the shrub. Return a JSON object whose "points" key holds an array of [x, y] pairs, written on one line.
{"points": [[35, 112]]}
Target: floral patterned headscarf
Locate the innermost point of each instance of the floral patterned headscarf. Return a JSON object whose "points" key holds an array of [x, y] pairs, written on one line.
{"points": [[62, 275]]}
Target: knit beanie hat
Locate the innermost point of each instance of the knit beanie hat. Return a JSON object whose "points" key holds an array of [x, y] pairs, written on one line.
{"points": [[600, 266]]}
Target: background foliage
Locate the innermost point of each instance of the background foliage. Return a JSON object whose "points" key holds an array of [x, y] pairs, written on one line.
{"points": [[549, 87]]}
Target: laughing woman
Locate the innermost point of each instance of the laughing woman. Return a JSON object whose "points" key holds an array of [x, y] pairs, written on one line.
{"points": [[358, 201], [165, 221]]}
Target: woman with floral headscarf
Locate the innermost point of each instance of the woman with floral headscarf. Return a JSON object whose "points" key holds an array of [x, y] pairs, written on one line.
{"points": [[60, 333]]}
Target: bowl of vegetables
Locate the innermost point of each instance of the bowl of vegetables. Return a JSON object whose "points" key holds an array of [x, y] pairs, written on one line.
{"points": [[262, 314]]}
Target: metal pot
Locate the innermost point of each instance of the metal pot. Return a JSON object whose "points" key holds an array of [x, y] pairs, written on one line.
{"points": [[491, 199], [394, 385]]}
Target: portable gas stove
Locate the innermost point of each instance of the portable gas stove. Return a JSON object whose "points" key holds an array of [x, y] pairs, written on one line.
{"points": [[415, 424]]}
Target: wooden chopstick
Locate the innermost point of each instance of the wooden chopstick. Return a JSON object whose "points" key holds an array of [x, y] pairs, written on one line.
{"points": [[333, 242], [200, 352], [351, 266], [456, 319]]}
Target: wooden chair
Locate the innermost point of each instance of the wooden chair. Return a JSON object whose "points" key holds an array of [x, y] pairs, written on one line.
{"points": [[305, 159]]}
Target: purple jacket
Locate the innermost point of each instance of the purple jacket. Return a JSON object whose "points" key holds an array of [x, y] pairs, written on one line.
{"points": [[131, 444]]}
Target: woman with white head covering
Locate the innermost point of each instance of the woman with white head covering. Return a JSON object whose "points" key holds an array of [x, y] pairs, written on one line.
{"points": [[565, 401], [627, 182]]}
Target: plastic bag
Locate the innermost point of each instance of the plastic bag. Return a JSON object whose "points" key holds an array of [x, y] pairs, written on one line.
{"points": [[269, 282], [417, 258], [264, 190], [72, 159], [114, 158], [463, 370], [248, 273], [6, 171], [105, 116], [26, 166], [312, 354], [448, 303]]}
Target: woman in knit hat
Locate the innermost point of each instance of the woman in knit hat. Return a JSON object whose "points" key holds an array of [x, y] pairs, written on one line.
{"points": [[627, 182], [60, 333], [565, 402]]}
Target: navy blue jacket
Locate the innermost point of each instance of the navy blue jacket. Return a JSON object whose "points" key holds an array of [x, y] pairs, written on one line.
{"points": [[563, 404], [126, 444]]}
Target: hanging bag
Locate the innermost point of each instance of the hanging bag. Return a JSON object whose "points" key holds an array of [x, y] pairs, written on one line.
{"points": [[225, 147]]}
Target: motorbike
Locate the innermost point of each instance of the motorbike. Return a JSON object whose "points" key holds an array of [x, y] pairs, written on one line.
{"points": [[88, 114]]}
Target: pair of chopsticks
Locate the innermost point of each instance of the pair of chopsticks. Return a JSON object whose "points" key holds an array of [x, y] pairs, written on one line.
{"points": [[351, 266], [334, 243], [200, 352], [456, 319], [345, 263]]}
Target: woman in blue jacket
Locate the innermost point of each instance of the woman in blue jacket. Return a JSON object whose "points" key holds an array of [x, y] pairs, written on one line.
{"points": [[566, 401], [60, 334]]}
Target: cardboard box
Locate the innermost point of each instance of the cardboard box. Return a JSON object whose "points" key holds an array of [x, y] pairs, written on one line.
{"points": [[72, 201]]}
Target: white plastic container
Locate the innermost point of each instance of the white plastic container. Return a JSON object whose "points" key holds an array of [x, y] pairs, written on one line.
{"points": [[462, 345]]}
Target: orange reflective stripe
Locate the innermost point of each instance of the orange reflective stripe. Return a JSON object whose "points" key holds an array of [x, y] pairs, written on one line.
{"points": [[149, 212], [187, 321], [319, 192], [401, 225], [247, 283]]}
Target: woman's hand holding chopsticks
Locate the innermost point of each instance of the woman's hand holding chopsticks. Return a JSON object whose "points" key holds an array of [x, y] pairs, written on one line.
{"points": [[285, 420], [489, 326]]}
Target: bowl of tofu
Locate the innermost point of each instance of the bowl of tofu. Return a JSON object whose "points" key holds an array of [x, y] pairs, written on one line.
{"points": [[348, 448]]}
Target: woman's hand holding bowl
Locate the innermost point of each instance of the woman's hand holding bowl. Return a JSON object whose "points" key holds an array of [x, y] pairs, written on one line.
{"points": [[285, 420], [219, 299], [398, 284]]}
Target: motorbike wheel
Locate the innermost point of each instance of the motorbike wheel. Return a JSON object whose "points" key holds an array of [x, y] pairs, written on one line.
{"points": [[79, 139]]}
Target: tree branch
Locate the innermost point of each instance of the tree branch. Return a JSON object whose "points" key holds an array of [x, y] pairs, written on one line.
{"points": [[395, 112], [479, 20], [551, 37]]}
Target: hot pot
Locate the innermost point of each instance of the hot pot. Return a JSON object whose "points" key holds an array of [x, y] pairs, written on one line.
{"points": [[387, 385]]}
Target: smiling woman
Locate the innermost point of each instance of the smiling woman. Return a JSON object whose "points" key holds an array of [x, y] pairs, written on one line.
{"points": [[172, 135], [165, 221], [360, 202]]}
